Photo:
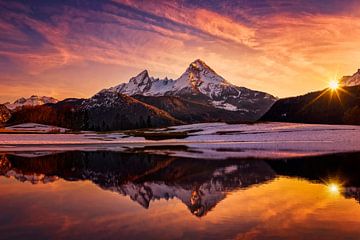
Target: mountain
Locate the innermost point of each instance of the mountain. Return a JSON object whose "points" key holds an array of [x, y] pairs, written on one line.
{"points": [[4, 114], [190, 111], [198, 95], [31, 101], [145, 85], [341, 106], [353, 80], [201, 84], [103, 112], [111, 110]]}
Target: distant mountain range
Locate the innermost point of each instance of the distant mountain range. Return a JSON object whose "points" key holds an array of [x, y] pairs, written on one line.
{"points": [[198, 95], [340, 106], [31, 101], [7, 108], [353, 80], [202, 84], [328, 107]]}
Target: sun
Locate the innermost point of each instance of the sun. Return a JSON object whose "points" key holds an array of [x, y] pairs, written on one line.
{"points": [[333, 85], [334, 188]]}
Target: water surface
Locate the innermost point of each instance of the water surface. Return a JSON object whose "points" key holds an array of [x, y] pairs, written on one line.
{"points": [[113, 195]]}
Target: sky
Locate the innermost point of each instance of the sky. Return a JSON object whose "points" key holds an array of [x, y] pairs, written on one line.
{"points": [[76, 48]]}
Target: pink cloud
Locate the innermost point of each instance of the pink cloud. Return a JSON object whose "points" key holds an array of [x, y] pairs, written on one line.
{"points": [[297, 52]]}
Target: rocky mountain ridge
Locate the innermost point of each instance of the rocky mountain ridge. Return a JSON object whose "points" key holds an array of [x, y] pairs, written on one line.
{"points": [[202, 84], [34, 100], [198, 95]]}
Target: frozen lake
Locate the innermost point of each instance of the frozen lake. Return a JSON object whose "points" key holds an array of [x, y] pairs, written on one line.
{"points": [[203, 181], [208, 140]]}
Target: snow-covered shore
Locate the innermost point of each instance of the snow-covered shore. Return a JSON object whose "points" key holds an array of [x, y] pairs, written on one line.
{"points": [[207, 140]]}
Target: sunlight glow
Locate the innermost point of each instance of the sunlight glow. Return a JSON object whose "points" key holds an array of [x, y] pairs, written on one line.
{"points": [[333, 188], [333, 85]]}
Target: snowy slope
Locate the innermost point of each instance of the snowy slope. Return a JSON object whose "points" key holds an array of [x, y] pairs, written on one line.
{"points": [[145, 85], [214, 140], [31, 101], [200, 77], [353, 80]]}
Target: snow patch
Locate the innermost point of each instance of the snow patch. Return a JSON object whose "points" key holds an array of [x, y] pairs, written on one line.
{"points": [[35, 127], [211, 140], [226, 106]]}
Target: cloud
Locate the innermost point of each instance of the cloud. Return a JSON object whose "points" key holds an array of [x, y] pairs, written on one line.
{"points": [[208, 22], [257, 44]]}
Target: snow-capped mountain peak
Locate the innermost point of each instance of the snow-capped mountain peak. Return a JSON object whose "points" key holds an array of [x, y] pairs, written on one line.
{"points": [[353, 80], [31, 101], [21, 100], [199, 66], [143, 84], [141, 78], [199, 77], [201, 82]]}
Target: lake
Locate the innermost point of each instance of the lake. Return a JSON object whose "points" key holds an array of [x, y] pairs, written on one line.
{"points": [[116, 195]]}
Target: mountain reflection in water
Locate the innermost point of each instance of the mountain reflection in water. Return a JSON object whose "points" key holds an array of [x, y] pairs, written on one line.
{"points": [[144, 178], [199, 184]]}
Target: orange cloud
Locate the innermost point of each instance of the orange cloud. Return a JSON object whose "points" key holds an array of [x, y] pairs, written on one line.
{"points": [[211, 23], [296, 53]]}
